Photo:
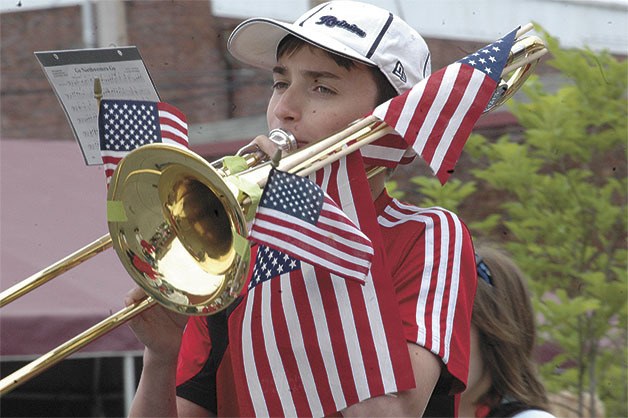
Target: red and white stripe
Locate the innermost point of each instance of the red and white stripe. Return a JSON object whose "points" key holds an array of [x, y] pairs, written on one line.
{"points": [[437, 115], [438, 289], [388, 151], [173, 124]]}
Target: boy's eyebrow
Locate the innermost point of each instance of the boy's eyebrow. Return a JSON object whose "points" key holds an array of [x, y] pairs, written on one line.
{"points": [[278, 69], [307, 73], [320, 74]]}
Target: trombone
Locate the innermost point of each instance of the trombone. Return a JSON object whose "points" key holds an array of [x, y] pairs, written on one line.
{"points": [[179, 223]]}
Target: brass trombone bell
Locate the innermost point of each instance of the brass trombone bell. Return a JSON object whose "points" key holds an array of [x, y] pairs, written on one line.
{"points": [[161, 194]]}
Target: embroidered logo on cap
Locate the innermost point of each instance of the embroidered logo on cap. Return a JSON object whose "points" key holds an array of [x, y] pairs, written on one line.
{"points": [[333, 22], [399, 71]]}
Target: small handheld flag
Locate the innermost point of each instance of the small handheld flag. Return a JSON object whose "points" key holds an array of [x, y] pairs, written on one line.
{"points": [[124, 125], [298, 218], [437, 115]]}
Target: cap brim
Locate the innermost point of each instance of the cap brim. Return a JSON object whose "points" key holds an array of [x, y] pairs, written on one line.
{"points": [[255, 42]]}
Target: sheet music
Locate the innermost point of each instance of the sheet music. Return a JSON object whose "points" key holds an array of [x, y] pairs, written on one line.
{"points": [[71, 73]]}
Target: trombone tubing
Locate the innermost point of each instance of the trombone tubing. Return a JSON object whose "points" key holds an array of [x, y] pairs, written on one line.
{"points": [[51, 358]]}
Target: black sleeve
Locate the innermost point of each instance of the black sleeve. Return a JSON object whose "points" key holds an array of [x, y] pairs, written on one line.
{"points": [[201, 388], [441, 403]]}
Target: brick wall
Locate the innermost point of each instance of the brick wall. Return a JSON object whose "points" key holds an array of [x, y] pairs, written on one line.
{"points": [[28, 106], [184, 48], [182, 44]]}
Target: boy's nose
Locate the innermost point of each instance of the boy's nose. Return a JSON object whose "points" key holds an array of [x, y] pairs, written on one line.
{"points": [[288, 106]]}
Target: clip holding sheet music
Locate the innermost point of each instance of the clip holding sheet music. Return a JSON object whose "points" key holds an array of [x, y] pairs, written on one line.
{"points": [[122, 74]]}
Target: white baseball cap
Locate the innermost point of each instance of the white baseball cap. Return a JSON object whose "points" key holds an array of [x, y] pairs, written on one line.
{"points": [[358, 31]]}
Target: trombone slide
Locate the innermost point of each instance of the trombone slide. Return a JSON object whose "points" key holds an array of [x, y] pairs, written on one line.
{"points": [[51, 358], [33, 282]]}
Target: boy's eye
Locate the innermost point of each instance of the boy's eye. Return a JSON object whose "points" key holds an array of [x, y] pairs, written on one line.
{"points": [[324, 90], [279, 85]]}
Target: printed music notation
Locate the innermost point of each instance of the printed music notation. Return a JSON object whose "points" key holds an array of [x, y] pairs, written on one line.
{"points": [[71, 73]]}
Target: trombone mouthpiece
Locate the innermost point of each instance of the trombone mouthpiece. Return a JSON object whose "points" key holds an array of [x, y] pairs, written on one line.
{"points": [[283, 139]]}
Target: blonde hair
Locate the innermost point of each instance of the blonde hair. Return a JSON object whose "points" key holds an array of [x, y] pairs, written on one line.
{"points": [[503, 314]]}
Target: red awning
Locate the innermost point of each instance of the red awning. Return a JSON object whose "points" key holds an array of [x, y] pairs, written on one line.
{"points": [[52, 204]]}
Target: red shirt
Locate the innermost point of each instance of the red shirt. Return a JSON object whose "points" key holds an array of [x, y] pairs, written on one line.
{"points": [[431, 254]]}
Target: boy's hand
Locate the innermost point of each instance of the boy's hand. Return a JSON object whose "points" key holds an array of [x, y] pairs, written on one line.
{"points": [[158, 328], [271, 147]]}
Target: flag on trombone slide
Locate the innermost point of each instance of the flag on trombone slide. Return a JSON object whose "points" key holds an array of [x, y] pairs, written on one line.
{"points": [[124, 125], [437, 115], [297, 217]]}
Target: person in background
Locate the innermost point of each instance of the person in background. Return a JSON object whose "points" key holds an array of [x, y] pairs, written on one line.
{"points": [[503, 379]]}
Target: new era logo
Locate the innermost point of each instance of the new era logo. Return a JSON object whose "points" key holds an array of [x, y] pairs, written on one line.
{"points": [[399, 71]]}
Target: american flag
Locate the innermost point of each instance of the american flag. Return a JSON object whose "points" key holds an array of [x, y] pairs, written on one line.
{"points": [[306, 342], [437, 115], [299, 218], [124, 125]]}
